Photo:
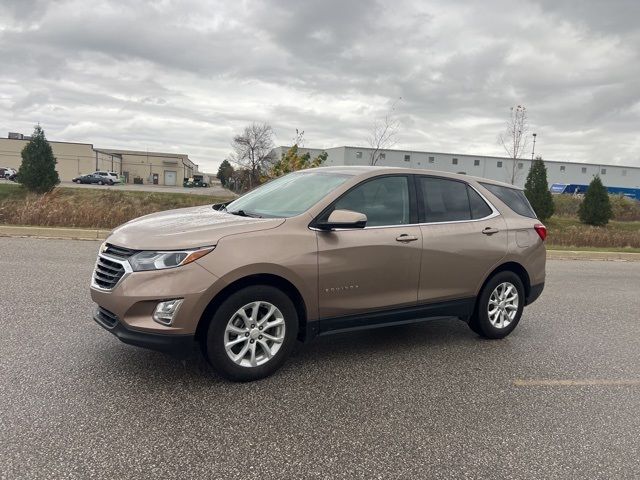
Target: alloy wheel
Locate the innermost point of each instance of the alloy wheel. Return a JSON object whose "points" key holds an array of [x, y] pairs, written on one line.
{"points": [[503, 305], [254, 334]]}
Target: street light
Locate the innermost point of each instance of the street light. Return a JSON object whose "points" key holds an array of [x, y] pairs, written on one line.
{"points": [[533, 151]]}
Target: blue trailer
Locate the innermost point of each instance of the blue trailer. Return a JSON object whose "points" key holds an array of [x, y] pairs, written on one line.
{"points": [[577, 189]]}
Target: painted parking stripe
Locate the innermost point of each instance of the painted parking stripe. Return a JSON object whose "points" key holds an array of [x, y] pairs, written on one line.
{"points": [[576, 383]]}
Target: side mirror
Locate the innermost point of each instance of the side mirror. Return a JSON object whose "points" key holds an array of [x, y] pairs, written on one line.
{"points": [[343, 219], [219, 206]]}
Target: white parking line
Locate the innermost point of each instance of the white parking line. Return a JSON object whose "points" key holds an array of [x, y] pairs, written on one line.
{"points": [[576, 383]]}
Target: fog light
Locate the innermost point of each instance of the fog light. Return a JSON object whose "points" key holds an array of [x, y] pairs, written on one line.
{"points": [[165, 311]]}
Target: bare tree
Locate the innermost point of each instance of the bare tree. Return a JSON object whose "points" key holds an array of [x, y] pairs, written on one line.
{"points": [[252, 150], [515, 138], [384, 134]]}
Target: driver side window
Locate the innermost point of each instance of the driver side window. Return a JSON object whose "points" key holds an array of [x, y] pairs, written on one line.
{"points": [[385, 201]]}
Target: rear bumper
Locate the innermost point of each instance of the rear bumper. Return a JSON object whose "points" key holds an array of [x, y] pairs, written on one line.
{"points": [[534, 293], [178, 345]]}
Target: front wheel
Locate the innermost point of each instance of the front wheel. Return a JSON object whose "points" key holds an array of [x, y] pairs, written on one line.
{"points": [[100, 182], [499, 306], [252, 333]]}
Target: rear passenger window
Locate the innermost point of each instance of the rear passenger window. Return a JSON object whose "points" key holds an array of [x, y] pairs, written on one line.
{"points": [[444, 200], [385, 201], [513, 198], [479, 208]]}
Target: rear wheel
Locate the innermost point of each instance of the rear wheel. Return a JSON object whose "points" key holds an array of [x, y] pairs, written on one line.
{"points": [[499, 306], [252, 333]]}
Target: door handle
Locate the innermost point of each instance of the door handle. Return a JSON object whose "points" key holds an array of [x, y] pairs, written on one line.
{"points": [[490, 230], [406, 238]]}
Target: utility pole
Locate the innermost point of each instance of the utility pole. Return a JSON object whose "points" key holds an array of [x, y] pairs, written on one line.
{"points": [[533, 151]]}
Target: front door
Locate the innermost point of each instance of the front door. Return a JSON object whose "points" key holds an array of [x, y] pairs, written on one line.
{"points": [[377, 267]]}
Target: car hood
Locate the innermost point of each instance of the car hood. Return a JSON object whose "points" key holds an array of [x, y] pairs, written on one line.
{"points": [[185, 228]]}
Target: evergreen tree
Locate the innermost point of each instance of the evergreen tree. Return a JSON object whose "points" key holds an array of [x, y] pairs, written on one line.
{"points": [[595, 209], [537, 190], [225, 171], [38, 169]]}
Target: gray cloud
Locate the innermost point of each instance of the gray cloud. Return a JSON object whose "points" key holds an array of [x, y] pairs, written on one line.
{"points": [[185, 76]]}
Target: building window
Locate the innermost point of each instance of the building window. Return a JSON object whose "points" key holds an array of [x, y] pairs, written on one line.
{"points": [[584, 169], [499, 164], [603, 171], [407, 158], [562, 168], [383, 156], [454, 161], [432, 159], [358, 154], [476, 163], [520, 165], [624, 173]]}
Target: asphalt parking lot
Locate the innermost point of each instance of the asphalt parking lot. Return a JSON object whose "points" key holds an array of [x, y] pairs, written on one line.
{"points": [[424, 401]]}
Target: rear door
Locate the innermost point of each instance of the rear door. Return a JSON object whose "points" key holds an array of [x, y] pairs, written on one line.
{"points": [[464, 237], [376, 267]]}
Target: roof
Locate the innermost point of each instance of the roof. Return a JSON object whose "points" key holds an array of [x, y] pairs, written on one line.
{"points": [[370, 171]]}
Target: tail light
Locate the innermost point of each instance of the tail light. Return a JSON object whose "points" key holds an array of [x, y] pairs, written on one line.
{"points": [[541, 230]]}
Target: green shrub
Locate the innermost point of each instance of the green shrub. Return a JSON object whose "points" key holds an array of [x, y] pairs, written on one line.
{"points": [[595, 209], [38, 169], [537, 190]]}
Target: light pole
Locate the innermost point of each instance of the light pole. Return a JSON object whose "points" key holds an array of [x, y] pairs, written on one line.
{"points": [[533, 151]]}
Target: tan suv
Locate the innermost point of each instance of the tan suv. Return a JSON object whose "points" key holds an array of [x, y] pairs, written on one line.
{"points": [[317, 252]]}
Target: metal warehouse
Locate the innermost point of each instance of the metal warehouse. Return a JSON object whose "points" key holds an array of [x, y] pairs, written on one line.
{"points": [[75, 159], [496, 168]]}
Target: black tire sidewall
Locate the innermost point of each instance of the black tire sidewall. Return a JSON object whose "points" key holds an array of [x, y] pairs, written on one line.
{"points": [[482, 325], [215, 351]]}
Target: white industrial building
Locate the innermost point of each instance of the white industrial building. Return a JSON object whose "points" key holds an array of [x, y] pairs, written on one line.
{"points": [[496, 168]]}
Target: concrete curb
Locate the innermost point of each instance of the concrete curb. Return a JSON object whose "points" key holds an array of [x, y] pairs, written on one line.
{"points": [[602, 256], [50, 232], [97, 234]]}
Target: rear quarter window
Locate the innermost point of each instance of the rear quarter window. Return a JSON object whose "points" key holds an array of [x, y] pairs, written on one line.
{"points": [[513, 198]]}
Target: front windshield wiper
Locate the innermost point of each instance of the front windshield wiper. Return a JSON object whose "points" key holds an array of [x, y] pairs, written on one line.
{"points": [[242, 213]]}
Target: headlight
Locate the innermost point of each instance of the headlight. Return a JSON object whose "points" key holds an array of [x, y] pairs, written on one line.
{"points": [[160, 260]]}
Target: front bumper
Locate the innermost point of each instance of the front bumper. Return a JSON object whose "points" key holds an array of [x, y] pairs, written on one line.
{"points": [[174, 344], [137, 294]]}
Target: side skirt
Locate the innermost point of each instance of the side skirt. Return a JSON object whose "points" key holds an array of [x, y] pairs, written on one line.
{"points": [[397, 316]]}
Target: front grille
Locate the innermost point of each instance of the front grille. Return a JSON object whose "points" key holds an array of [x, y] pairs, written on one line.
{"points": [[107, 318], [107, 273], [119, 252]]}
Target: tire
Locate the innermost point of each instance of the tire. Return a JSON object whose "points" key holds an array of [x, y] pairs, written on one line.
{"points": [[227, 317], [500, 324], [100, 182], [78, 182]]}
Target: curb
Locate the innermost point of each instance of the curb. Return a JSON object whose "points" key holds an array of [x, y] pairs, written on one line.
{"points": [[49, 232], [584, 255], [98, 234]]}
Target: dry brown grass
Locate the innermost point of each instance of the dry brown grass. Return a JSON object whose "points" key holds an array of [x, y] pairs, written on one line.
{"points": [[87, 208], [624, 209], [569, 232]]}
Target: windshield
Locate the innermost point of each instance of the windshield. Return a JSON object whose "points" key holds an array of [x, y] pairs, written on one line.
{"points": [[287, 196]]}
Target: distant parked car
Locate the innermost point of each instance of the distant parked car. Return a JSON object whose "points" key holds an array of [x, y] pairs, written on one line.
{"points": [[93, 178], [8, 173], [195, 181], [113, 176]]}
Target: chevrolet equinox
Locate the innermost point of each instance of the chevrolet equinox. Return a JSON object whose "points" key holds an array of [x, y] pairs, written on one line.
{"points": [[316, 252]]}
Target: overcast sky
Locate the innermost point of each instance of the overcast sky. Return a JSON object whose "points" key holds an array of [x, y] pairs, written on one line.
{"points": [[185, 76]]}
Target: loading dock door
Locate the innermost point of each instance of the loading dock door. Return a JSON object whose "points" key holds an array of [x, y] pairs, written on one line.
{"points": [[170, 177]]}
